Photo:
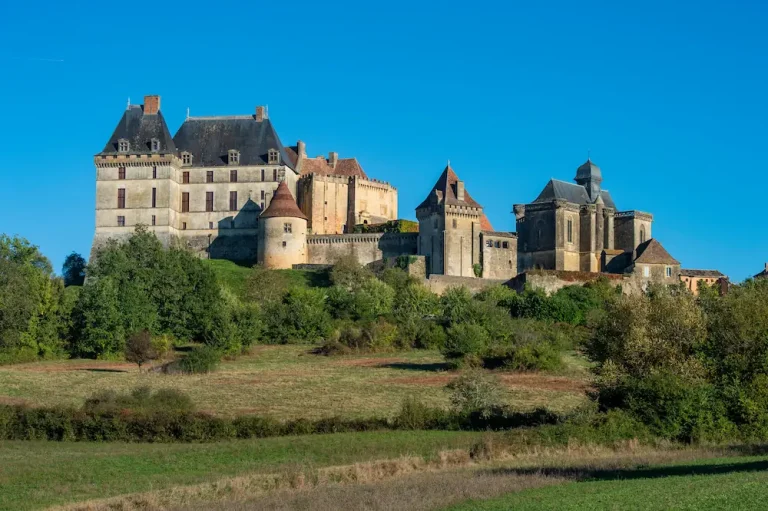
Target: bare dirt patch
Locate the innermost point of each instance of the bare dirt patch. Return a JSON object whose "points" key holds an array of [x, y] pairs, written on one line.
{"points": [[8, 400]]}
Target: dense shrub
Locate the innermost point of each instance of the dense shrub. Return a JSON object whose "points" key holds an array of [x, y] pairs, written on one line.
{"points": [[366, 337], [139, 348], [141, 399], [476, 392], [201, 360], [302, 316], [465, 342]]}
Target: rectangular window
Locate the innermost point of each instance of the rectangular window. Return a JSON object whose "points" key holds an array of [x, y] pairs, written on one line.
{"points": [[185, 202], [262, 206], [287, 228], [154, 172], [121, 173], [209, 201], [669, 271], [121, 198], [233, 176], [233, 201], [646, 271], [154, 197], [489, 244], [497, 244], [185, 177], [183, 226], [262, 195], [210, 225], [154, 220], [274, 174], [455, 223], [505, 244], [121, 221], [209, 176], [570, 231], [262, 174]]}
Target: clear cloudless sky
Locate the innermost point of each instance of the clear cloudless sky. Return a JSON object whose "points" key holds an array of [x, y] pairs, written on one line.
{"points": [[670, 97]]}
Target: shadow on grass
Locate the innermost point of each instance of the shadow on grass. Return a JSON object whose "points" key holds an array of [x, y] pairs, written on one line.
{"points": [[412, 366], [589, 474], [98, 370]]}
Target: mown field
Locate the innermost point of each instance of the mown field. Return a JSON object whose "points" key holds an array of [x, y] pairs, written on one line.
{"points": [[289, 382]]}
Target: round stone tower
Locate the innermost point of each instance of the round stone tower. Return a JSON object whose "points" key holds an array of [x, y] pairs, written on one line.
{"points": [[282, 232]]}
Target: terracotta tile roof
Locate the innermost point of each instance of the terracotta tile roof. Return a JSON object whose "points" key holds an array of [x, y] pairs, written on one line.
{"points": [[293, 154], [445, 188], [485, 224], [344, 167], [701, 273], [283, 204], [651, 252]]}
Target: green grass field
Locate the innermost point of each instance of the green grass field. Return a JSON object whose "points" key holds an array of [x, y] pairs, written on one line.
{"points": [[711, 484], [34, 475], [287, 382], [235, 277]]}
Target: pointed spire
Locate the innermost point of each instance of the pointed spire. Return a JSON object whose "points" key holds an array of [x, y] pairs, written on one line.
{"points": [[283, 204]]}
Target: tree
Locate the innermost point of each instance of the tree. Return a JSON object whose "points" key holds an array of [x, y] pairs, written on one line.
{"points": [[348, 273], [73, 270], [139, 349]]}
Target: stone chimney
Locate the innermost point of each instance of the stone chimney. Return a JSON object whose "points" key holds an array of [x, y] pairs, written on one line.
{"points": [[261, 113], [766, 266], [333, 159], [151, 105], [460, 190], [301, 148]]}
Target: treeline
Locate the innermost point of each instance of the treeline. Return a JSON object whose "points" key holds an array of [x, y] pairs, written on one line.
{"points": [[140, 287]]}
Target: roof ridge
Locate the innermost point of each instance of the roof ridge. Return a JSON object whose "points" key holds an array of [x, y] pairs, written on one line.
{"points": [[219, 117]]}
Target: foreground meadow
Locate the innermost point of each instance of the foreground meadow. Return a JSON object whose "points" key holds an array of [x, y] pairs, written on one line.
{"points": [[289, 382]]}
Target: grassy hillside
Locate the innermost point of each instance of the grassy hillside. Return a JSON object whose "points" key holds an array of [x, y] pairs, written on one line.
{"points": [[235, 276], [288, 382]]}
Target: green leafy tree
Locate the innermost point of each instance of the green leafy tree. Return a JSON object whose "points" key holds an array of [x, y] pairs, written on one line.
{"points": [[99, 323], [350, 274], [73, 270]]}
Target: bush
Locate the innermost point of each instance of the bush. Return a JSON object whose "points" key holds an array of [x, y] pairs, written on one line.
{"points": [[476, 391], [465, 341], [139, 348], [141, 399], [201, 360], [302, 316], [367, 337], [163, 344]]}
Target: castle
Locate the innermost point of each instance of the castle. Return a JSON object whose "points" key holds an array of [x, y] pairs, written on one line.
{"points": [[226, 187]]}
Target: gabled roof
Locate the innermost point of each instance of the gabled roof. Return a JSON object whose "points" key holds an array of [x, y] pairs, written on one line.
{"points": [[139, 130], [571, 192], [209, 139], [701, 273], [283, 204], [651, 252], [445, 188]]}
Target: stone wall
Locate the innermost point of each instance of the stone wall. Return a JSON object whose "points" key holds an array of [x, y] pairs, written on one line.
{"points": [[371, 201], [498, 255], [366, 248], [439, 283], [325, 201], [551, 280]]}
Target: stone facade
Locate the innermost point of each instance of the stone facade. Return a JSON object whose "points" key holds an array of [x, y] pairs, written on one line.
{"points": [[576, 227], [498, 257], [366, 248]]}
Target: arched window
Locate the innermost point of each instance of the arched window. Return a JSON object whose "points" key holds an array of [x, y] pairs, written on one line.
{"points": [[642, 235]]}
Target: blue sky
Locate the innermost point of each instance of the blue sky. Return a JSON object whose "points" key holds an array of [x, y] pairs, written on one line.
{"points": [[670, 97]]}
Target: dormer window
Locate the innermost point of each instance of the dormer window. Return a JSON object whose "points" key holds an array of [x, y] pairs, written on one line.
{"points": [[123, 146], [234, 157], [186, 158], [273, 156], [155, 145]]}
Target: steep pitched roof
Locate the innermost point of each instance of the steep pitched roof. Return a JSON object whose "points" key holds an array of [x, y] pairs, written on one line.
{"points": [[571, 192], [588, 170], [651, 252], [283, 204], [701, 273], [139, 130], [210, 138], [485, 224], [445, 188]]}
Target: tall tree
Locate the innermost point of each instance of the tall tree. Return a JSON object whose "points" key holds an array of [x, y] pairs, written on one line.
{"points": [[73, 270]]}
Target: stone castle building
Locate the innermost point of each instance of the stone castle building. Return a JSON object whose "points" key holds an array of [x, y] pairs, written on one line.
{"points": [[226, 187]]}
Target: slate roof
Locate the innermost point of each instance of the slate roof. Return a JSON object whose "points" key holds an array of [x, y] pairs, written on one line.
{"points": [[651, 252], [283, 204], [210, 138], [588, 170], [571, 192], [139, 130], [701, 273], [445, 187]]}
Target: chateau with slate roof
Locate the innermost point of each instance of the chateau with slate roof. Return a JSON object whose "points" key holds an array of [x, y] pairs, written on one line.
{"points": [[227, 187]]}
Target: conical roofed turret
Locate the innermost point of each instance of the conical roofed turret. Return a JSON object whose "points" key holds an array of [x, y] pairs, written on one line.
{"points": [[283, 204]]}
